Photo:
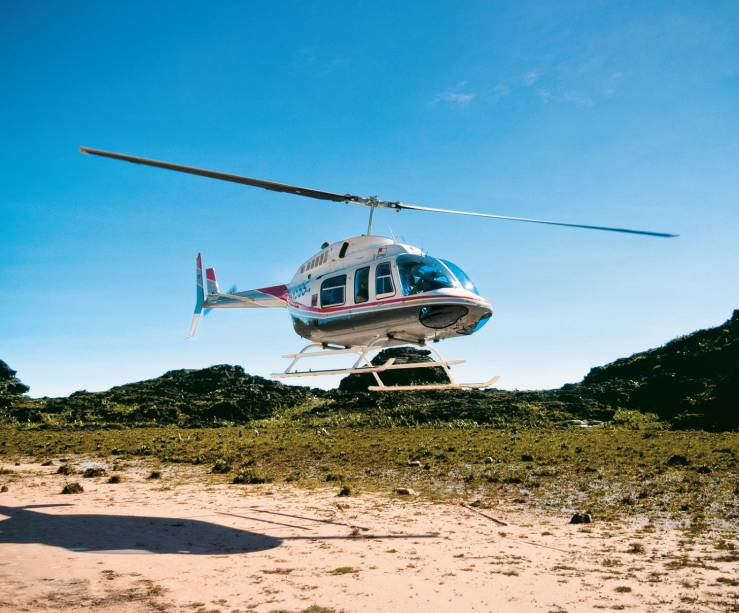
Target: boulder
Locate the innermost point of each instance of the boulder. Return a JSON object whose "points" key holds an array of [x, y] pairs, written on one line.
{"points": [[405, 491], [72, 488], [677, 460], [403, 355], [581, 518]]}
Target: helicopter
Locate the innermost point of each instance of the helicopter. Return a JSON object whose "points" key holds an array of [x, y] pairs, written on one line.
{"points": [[362, 294]]}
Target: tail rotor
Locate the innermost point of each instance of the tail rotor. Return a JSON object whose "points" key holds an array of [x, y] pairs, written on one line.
{"points": [[199, 296]]}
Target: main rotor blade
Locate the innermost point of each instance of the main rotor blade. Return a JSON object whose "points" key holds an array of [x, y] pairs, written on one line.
{"points": [[222, 176], [351, 198], [413, 207]]}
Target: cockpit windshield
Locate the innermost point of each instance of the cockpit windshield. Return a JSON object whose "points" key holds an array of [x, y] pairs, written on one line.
{"points": [[420, 274], [462, 277]]}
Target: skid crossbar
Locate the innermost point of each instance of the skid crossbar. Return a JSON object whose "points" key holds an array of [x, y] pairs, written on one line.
{"points": [[364, 366]]}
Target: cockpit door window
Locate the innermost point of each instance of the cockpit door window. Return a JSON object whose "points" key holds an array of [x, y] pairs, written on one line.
{"points": [[420, 274]]}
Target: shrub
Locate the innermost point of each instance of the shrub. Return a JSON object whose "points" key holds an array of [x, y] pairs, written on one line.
{"points": [[93, 472], [251, 477], [221, 467], [635, 548], [72, 488], [631, 418], [677, 459]]}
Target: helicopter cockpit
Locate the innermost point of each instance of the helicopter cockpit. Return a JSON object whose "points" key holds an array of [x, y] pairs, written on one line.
{"points": [[420, 274]]}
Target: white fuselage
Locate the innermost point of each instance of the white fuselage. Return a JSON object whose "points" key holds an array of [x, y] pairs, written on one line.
{"points": [[374, 289]]}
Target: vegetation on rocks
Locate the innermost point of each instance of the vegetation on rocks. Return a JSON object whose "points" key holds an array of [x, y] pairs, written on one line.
{"points": [[691, 382], [10, 387], [190, 398], [610, 445]]}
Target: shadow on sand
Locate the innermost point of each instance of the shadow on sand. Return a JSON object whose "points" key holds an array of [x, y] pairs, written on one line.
{"points": [[143, 534], [127, 533]]}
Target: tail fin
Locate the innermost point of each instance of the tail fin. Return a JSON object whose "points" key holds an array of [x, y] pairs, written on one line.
{"points": [[199, 295]]}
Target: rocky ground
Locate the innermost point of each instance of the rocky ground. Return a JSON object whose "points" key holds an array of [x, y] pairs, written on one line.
{"points": [[181, 542]]}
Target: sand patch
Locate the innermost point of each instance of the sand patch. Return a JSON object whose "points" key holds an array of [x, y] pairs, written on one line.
{"points": [[183, 543]]}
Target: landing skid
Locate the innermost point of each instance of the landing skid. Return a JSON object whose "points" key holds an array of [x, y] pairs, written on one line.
{"points": [[364, 366]]}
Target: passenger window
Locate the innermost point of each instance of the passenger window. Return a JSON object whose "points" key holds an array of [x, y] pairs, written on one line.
{"points": [[361, 285], [332, 291], [384, 280]]}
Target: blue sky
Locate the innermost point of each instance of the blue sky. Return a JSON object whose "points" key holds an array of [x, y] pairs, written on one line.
{"points": [[609, 113]]}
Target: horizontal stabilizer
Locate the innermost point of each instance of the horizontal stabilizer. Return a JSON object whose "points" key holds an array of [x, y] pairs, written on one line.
{"points": [[274, 296]]}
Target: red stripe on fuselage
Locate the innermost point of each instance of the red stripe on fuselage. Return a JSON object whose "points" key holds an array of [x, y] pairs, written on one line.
{"points": [[303, 307]]}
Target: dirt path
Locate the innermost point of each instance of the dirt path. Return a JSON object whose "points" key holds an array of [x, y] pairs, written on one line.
{"points": [[183, 544]]}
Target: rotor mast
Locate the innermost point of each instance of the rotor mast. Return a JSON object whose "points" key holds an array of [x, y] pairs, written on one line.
{"points": [[372, 203]]}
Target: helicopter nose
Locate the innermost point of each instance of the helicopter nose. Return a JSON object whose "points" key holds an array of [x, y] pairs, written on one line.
{"points": [[479, 315], [482, 321], [462, 316]]}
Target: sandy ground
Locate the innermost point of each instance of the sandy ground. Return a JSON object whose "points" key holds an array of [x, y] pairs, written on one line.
{"points": [[184, 543]]}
